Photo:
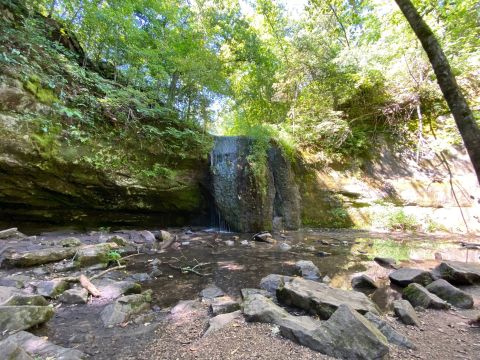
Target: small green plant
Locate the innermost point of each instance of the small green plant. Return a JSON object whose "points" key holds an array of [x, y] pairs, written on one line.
{"points": [[399, 220], [113, 256]]}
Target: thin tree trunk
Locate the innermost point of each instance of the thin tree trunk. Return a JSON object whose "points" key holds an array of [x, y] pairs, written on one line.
{"points": [[420, 130], [461, 112]]}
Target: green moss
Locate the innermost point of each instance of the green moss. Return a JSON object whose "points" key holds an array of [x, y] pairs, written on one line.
{"points": [[44, 95]]}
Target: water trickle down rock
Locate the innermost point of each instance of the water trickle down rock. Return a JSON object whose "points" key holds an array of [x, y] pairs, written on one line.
{"points": [[245, 202]]}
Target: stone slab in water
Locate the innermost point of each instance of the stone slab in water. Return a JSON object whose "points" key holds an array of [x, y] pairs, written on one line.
{"points": [[406, 276], [444, 290], [321, 299], [307, 270], [459, 273], [419, 296], [41, 348]]}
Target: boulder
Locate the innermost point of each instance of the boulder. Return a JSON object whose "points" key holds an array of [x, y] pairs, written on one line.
{"points": [[250, 291], [15, 297], [307, 270], [445, 291], [258, 308], [12, 351], [392, 335], [37, 257], [125, 307], [273, 281], [223, 305], [70, 242], [220, 321], [93, 254], [41, 348], [364, 282], [51, 288], [406, 276], [112, 289], [211, 292], [74, 296], [11, 233], [346, 335], [321, 299], [117, 239], [388, 263], [165, 236], [405, 312], [14, 318], [459, 273], [419, 296]]}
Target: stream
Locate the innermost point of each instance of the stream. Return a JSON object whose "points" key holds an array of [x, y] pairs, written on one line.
{"points": [[232, 262]]}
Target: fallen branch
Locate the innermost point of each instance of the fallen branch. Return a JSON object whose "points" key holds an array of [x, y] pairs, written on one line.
{"points": [[89, 286], [108, 270], [190, 269]]}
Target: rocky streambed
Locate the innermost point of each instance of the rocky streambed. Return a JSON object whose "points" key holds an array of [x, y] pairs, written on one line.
{"points": [[201, 294]]}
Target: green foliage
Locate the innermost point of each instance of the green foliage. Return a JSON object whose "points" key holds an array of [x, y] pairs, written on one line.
{"points": [[113, 256], [399, 220]]}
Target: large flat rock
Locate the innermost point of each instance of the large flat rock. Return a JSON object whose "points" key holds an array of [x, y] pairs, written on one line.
{"points": [[446, 291], [40, 348], [459, 273], [37, 257], [321, 299], [346, 335], [404, 277], [14, 318]]}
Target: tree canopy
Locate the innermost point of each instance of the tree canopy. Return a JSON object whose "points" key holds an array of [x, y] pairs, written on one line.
{"points": [[328, 79]]}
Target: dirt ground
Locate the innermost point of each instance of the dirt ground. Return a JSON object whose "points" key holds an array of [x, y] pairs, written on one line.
{"points": [[443, 335]]}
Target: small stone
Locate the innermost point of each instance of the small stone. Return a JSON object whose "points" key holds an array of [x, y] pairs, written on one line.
{"points": [[74, 296], [70, 242], [323, 254], [229, 242], [140, 277], [220, 321], [284, 247], [405, 312], [156, 272], [211, 292], [244, 242]]}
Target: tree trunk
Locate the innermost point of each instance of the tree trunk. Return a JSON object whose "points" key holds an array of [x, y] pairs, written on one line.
{"points": [[456, 101]]}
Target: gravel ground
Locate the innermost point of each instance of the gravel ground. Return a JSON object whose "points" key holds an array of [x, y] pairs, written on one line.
{"points": [[443, 335]]}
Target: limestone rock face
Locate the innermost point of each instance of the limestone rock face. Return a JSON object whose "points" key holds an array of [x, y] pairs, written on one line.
{"points": [[406, 276], [419, 296], [459, 273], [14, 318], [321, 299], [247, 200]]}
